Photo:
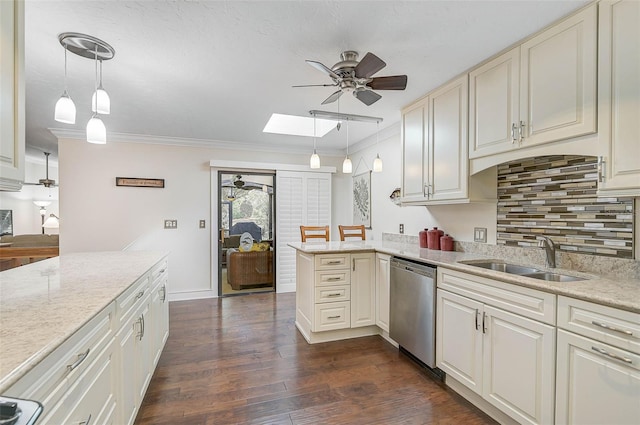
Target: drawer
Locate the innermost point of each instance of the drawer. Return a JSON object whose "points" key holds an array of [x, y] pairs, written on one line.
{"points": [[336, 277], [332, 261], [127, 302], [609, 325], [50, 379], [332, 316], [90, 399], [516, 299], [328, 294], [159, 271]]}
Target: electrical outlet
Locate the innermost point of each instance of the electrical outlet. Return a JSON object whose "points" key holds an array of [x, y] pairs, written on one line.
{"points": [[401, 228], [171, 224], [480, 234], [203, 224]]}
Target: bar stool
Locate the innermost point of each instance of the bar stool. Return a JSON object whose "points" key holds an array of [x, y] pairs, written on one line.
{"points": [[314, 232], [351, 232]]}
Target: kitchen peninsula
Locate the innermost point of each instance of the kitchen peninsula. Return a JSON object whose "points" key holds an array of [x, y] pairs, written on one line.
{"points": [[66, 323]]}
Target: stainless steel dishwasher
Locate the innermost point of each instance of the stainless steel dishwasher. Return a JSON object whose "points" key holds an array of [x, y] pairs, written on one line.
{"points": [[412, 321]]}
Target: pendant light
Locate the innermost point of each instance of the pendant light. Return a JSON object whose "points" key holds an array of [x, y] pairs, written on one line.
{"points": [[347, 166], [377, 163], [65, 111], [96, 131], [314, 161], [100, 101]]}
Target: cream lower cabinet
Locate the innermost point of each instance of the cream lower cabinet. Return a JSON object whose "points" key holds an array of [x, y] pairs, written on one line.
{"points": [[489, 341], [383, 273], [363, 290], [618, 98], [159, 310], [598, 380]]}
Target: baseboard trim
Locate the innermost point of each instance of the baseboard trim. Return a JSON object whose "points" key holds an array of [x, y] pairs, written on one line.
{"points": [[192, 295]]}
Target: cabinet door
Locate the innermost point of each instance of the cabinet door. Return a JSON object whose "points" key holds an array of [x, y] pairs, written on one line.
{"points": [[414, 124], [158, 321], [595, 388], [12, 109], [558, 80], [519, 366], [382, 291], [494, 96], [447, 141], [363, 295], [619, 91], [459, 339]]}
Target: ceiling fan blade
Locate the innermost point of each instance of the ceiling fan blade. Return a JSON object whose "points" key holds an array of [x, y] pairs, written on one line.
{"points": [[324, 69], [316, 85], [369, 65], [31, 184], [333, 97], [395, 82], [367, 97]]}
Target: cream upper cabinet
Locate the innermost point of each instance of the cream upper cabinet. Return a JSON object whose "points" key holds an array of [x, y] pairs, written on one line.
{"points": [[414, 132], [12, 110], [541, 91], [619, 98], [558, 81], [494, 105]]}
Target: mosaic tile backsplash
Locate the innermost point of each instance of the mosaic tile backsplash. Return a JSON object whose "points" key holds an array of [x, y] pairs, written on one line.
{"points": [[555, 196]]}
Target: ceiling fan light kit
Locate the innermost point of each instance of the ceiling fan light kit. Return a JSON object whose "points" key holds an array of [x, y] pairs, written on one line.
{"points": [[92, 48]]}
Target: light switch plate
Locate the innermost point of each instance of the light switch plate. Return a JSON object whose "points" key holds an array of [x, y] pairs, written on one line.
{"points": [[401, 228], [203, 224], [480, 234], [171, 224]]}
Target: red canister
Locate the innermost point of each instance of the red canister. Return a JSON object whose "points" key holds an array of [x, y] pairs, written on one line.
{"points": [[433, 238], [446, 243], [423, 238]]}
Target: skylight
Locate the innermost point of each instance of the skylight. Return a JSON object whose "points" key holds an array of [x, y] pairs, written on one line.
{"points": [[298, 126]]}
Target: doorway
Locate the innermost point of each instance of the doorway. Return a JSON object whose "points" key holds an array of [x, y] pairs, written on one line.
{"points": [[246, 231]]}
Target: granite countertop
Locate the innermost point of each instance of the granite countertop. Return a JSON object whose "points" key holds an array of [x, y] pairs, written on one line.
{"points": [[615, 292], [42, 304]]}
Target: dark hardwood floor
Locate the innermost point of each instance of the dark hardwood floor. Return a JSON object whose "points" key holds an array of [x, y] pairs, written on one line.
{"points": [[240, 360]]}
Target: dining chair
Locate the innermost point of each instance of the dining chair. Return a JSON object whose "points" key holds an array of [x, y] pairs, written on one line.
{"points": [[314, 232], [352, 232]]}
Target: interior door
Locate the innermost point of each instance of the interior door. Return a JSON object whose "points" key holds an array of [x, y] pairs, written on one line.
{"points": [[246, 230]]}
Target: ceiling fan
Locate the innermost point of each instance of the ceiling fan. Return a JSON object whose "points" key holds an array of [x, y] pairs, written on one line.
{"points": [[351, 75], [46, 182]]}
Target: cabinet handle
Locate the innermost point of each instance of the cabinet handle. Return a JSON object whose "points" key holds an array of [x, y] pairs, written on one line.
{"points": [[521, 132], [81, 358], [477, 321], [513, 133], [85, 422], [334, 262], [333, 279], [334, 295], [334, 317], [611, 328], [142, 336], [613, 356], [164, 293], [140, 294], [600, 169], [353, 262], [162, 271], [141, 333], [484, 328]]}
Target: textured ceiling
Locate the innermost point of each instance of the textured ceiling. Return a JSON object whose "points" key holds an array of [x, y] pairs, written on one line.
{"points": [[215, 70]]}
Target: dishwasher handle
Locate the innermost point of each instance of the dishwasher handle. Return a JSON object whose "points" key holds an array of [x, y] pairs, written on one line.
{"points": [[421, 269]]}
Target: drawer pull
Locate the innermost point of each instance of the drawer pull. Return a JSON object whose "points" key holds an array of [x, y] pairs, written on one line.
{"points": [[334, 295], [85, 422], [81, 358], [164, 293], [613, 356], [162, 271], [611, 328], [484, 327], [333, 279], [334, 262], [477, 321], [334, 317], [140, 294]]}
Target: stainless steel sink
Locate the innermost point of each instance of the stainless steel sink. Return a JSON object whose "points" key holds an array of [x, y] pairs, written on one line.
{"points": [[505, 267], [553, 277]]}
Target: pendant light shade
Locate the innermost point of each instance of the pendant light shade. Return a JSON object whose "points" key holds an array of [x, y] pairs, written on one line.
{"points": [[347, 166], [314, 161], [102, 104], [65, 109], [377, 164], [96, 131]]}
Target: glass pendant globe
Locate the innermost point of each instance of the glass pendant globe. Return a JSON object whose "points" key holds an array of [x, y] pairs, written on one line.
{"points": [[96, 131], [347, 166], [65, 111], [377, 164], [314, 161], [103, 102]]}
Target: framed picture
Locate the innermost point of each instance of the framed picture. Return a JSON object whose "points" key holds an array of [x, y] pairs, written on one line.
{"points": [[362, 199]]}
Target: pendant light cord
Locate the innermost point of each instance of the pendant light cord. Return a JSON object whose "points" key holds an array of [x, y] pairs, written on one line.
{"points": [[347, 138], [65, 68], [96, 83], [314, 133]]}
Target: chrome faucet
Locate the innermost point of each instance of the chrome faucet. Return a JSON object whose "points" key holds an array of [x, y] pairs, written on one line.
{"points": [[549, 249]]}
